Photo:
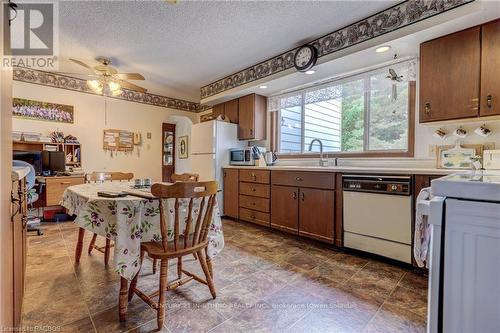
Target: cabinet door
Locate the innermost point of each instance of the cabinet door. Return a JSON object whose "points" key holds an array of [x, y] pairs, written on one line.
{"points": [[449, 76], [284, 208], [246, 118], [231, 192], [490, 62], [316, 214], [218, 110], [231, 110]]}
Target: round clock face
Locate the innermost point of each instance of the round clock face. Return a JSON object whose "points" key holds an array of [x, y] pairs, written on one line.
{"points": [[305, 58]]}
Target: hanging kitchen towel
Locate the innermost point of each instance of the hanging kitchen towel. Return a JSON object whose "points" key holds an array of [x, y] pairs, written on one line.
{"points": [[422, 231]]}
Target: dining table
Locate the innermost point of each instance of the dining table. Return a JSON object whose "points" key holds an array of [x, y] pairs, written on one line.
{"points": [[128, 221]]}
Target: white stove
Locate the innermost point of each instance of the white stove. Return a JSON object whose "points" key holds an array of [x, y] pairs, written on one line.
{"points": [[464, 276]]}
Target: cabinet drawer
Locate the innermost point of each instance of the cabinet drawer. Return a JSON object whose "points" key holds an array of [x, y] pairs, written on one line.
{"points": [[255, 176], [323, 180], [254, 216], [55, 188], [260, 204], [255, 190]]}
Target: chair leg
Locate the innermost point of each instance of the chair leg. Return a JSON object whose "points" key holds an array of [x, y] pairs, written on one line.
{"points": [[204, 266], [79, 245], [133, 283], [209, 264], [92, 243], [107, 251], [195, 256], [179, 267], [155, 264], [163, 289]]}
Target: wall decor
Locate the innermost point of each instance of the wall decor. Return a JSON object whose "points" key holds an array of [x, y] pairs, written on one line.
{"points": [[483, 131], [460, 132], [37, 110], [119, 140], [72, 83], [440, 134], [391, 19], [183, 147]]}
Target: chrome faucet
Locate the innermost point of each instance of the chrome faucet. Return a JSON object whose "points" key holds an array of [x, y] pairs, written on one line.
{"points": [[322, 161]]}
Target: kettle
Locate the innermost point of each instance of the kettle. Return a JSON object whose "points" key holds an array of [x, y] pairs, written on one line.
{"points": [[270, 157]]}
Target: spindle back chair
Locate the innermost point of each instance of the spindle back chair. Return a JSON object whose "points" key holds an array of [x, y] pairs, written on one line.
{"points": [[184, 177], [100, 177], [193, 239]]}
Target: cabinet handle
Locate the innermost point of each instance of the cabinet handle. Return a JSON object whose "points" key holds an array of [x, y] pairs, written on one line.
{"points": [[65, 183], [302, 195], [299, 179], [252, 216], [427, 108], [254, 177], [225, 174], [489, 101], [251, 131], [294, 195], [253, 189]]}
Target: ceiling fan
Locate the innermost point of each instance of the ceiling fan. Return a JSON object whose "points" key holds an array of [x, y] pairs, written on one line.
{"points": [[105, 79]]}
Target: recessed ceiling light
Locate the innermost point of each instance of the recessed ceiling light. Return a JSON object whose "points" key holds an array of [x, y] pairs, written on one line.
{"points": [[383, 48], [309, 72], [263, 87]]}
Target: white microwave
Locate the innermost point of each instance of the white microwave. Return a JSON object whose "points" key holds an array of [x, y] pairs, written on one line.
{"points": [[241, 156]]}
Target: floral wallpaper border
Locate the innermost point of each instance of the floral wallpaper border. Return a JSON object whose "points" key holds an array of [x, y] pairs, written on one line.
{"points": [[80, 85], [391, 19]]}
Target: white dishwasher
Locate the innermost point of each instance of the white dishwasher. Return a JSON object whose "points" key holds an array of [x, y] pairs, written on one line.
{"points": [[378, 214]]}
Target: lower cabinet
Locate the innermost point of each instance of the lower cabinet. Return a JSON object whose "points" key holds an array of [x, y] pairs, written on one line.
{"points": [[230, 193], [305, 211], [316, 214], [285, 208]]}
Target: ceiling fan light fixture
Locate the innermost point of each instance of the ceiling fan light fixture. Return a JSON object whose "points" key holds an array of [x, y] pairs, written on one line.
{"points": [[117, 92], [95, 85], [114, 86]]}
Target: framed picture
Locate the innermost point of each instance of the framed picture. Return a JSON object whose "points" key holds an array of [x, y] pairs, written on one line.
{"points": [[29, 109], [183, 147]]}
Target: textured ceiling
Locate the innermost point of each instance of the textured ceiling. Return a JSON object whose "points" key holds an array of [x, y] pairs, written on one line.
{"points": [[181, 47]]}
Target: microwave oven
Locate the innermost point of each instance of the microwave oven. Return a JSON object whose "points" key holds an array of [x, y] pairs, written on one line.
{"points": [[241, 156]]}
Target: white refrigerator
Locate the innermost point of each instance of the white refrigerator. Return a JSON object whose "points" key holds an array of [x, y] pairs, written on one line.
{"points": [[210, 144]]}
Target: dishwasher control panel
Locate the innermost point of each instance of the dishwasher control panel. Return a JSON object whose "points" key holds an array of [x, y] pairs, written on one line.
{"points": [[390, 185]]}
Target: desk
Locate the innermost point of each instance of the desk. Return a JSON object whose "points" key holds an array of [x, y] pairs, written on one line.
{"points": [[55, 187]]}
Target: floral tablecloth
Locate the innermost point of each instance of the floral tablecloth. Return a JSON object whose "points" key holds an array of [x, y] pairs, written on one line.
{"points": [[131, 220]]}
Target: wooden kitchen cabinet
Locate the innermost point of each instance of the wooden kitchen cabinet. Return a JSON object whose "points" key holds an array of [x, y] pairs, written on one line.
{"points": [[227, 109], [230, 193], [316, 214], [450, 76], [252, 117], [285, 208], [490, 62], [231, 110], [55, 187]]}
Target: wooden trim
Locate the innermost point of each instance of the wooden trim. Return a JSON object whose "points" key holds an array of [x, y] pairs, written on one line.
{"points": [[338, 233], [370, 153]]}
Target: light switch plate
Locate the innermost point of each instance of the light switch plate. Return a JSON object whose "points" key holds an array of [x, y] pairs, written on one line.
{"points": [[148, 135]]}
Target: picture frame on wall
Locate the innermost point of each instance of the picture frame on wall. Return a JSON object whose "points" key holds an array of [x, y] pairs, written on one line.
{"points": [[183, 147], [45, 111]]}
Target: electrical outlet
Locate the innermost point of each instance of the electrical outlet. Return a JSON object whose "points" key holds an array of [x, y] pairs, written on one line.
{"points": [[148, 135], [432, 150]]}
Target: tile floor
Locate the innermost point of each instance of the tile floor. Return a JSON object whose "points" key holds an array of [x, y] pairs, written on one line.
{"points": [[266, 282]]}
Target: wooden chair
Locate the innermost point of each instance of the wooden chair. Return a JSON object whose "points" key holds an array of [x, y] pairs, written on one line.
{"points": [[100, 177], [184, 177], [183, 244]]}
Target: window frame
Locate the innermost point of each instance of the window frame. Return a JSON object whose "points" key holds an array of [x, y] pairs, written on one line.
{"points": [[410, 152]]}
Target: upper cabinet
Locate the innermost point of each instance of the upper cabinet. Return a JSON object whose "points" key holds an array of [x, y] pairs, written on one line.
{"points": [[449, 76], [252, 117], [490, 62], [458, 74], [228, 109]]}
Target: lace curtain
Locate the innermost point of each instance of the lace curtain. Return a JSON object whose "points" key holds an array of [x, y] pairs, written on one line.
{"points": [[333, 88]]}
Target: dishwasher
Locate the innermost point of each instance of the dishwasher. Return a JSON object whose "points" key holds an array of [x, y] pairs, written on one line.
{"points": [[377, 215]]}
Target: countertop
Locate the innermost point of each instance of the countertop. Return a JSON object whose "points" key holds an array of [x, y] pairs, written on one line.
{"points": [[355, 169], [19, 172]]}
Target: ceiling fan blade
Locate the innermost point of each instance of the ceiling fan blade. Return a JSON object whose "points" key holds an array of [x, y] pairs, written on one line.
{"points": [[81, 63], [131, 86], [130, 76]]}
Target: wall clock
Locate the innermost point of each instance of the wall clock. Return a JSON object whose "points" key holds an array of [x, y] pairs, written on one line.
{"points": [[305, 58]]}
